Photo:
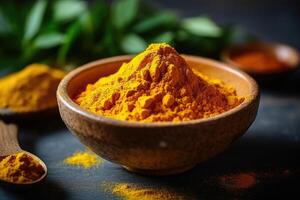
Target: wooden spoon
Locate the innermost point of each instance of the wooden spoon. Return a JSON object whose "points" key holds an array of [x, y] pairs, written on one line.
{"points": [[9, 145]]}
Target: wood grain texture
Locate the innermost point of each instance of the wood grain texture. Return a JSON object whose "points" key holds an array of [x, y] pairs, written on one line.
{"points": [[8, 139]]}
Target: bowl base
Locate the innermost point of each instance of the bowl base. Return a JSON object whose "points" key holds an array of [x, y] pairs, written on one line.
{"points": [[160, 172]]}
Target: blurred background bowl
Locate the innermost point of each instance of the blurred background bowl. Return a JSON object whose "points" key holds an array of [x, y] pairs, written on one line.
{"points": [[29, 118], [287, 55], [157, 148]]}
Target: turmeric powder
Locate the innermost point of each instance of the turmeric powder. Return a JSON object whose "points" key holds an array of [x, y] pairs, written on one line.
{"points": [[32, 89], [134, 192], [20, 168], [155, 86], [85, 159]]}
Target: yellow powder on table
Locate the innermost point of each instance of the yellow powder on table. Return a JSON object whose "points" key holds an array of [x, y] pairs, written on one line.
{"points": [[84, 159], [129, 191], [32, 89], [20, 168], [155, 86]]}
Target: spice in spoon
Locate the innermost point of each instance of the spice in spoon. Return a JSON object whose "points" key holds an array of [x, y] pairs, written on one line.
{"points": [[156, 86], [20, 168]]}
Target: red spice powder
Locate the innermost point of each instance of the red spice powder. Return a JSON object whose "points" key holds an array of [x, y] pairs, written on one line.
{"points": [[260, 61], [286, 173], [244, 180], [238, 181]]}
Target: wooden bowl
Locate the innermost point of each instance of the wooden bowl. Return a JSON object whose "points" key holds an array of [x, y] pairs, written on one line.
{"points": [[284, 53], [157, 148]]}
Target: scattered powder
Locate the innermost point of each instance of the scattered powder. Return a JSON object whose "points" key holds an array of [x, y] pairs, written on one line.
{"points": [[246, 180], [128, 191], [238, 181], [84, 159]]}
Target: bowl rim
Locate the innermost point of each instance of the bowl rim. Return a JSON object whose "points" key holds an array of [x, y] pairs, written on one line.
{"points": [[62, 95], [226, 56]]}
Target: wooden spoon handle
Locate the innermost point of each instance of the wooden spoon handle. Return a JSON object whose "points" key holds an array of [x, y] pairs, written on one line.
{"points": [[8, 139]]}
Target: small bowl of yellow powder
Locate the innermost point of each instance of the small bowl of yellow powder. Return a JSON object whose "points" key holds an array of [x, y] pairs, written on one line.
{"points": [[29, 92], [158, 112]]}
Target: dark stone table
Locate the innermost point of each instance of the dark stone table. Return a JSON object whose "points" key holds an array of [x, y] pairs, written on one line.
{"points": [[271, 147]]}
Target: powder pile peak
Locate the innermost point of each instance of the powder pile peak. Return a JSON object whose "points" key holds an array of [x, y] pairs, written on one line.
{"points": [[157, 85]]}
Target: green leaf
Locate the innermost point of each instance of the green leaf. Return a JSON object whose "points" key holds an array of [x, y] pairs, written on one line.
{"points": [[109, 45], [201, 26], [15, 19], [4, 24], [34, 19], [67, 10], [8, 62], [155, 21], [86, 22], [124, 12], [166, 37], [182, 35], [50, 27], [48, 40], [99, 11], [133, 43], [70, 37], [236, 35]]}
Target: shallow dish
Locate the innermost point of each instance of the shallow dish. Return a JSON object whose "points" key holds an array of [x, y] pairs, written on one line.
{"points": [[157, 148], [284, 53]]}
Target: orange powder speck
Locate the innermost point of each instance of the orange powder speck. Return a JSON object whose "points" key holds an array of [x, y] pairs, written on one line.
{"points": [[238, 181]]}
